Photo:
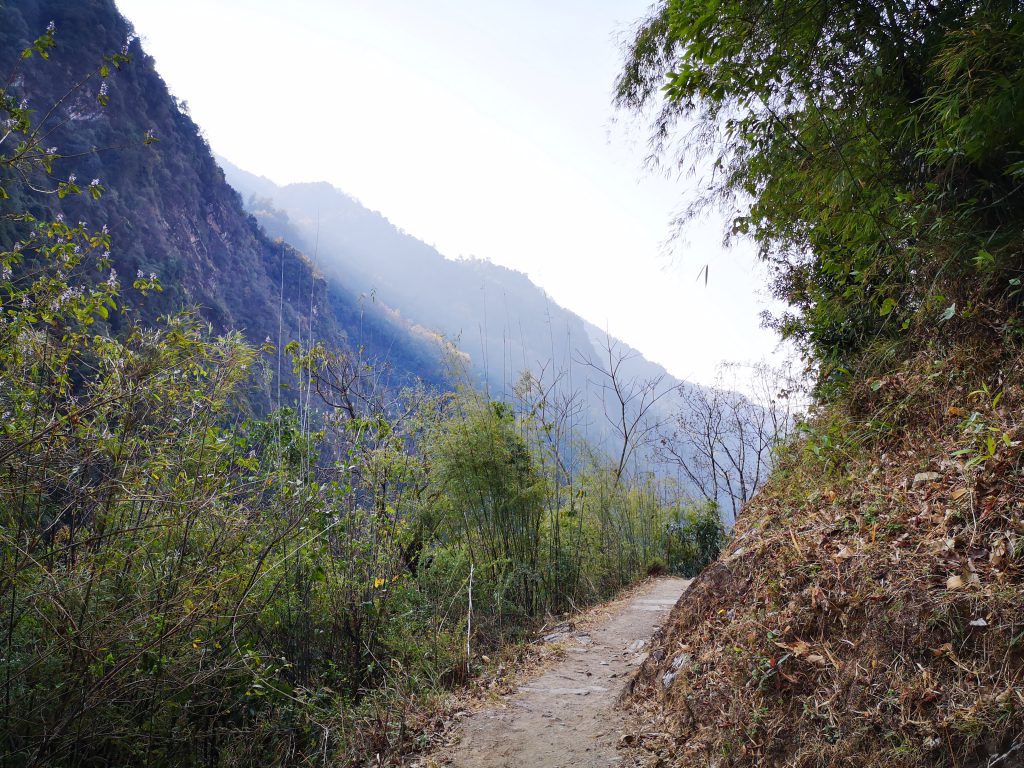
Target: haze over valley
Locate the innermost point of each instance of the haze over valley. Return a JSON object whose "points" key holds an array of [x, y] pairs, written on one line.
{"points": [[487, 132]]}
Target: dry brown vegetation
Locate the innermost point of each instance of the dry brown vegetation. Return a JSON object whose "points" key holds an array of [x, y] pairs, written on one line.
{"points": [[869, 609]]}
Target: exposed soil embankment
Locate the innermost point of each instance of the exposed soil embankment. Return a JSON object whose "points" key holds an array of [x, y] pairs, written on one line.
{"points": [[870, 610]]}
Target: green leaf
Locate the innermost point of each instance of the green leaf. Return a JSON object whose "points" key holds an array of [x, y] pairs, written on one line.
{"points": [[887, 307], [984, 260], [948, 313]]}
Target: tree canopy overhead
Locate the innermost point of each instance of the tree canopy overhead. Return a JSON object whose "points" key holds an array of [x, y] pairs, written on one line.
{"points": [[873, 149]]}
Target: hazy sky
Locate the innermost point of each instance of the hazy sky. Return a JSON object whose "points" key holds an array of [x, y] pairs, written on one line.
{"points": [[484, 128]]}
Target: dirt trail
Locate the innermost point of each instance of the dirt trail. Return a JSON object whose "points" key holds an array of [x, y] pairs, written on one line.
{"points": [[568, 716]]}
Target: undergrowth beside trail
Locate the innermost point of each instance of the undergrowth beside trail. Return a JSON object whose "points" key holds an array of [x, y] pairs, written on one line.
{"points": [[868, 610], [215, 552]]}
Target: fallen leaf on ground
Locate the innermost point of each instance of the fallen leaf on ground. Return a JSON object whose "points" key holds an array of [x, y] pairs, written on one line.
{"points": [[942, 650]]}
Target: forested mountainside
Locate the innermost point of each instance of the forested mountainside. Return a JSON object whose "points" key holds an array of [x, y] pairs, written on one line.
{"points": [[497, 316], [504, 323], [167, 207]]}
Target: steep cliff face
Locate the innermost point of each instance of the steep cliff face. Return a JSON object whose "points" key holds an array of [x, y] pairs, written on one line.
{"points": [[167, 205]]}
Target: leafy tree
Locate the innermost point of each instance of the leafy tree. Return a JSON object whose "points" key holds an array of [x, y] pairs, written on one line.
{"points": [[696, 538], [494, 497], [874, 150], [167, 581]]}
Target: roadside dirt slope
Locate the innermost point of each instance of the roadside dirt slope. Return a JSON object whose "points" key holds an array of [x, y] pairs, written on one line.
{"points": [[868, 611]]}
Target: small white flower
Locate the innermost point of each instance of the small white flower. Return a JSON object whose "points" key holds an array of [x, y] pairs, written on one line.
{"points": [[104, 88], [139, 275], [51, 27], [51, 150], [94, 183]]}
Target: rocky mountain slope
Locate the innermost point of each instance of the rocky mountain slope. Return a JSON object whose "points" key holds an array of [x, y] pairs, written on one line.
{"points": [[167, 205], [306, 262]]}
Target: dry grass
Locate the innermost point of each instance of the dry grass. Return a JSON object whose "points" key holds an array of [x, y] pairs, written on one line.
{"points": [[861, 617]]}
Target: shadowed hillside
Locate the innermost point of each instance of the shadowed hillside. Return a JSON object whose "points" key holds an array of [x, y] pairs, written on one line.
{"points": [[168, 209], [503, 322]]}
